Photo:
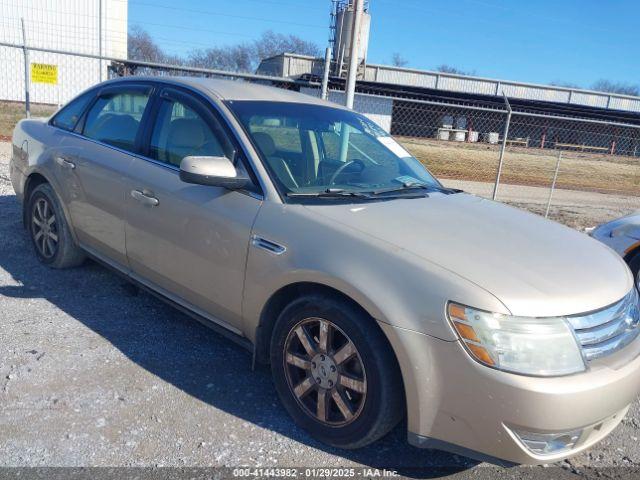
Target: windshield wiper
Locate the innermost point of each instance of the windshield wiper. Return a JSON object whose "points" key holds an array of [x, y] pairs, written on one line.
{"points": [[330, 193], [403, 188], [415, 186]]}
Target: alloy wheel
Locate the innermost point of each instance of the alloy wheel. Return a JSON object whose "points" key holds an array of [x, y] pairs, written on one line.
{"points": [[324, 371], [44, 228]]}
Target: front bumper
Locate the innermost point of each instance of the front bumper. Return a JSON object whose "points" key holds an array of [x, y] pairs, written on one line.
{"points": [[454, 403]]}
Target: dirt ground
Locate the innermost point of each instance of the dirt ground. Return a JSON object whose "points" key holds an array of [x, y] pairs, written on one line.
{"points": [[478, 162], [12, 112]]}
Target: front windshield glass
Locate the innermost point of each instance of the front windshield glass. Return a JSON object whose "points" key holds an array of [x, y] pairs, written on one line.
{"points": [[314, 149]]}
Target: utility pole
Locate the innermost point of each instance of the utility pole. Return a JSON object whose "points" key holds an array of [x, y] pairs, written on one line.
{"points": [[325, 75], [352, 72]]}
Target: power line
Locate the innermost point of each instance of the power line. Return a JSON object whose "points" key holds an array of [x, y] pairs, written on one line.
{"points": [[218, 14], [182, 27]]}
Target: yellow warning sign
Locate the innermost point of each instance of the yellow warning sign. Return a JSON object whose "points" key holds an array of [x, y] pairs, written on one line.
{"points": [[44, 73]]}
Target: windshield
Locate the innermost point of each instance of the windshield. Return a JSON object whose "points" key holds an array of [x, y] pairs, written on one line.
{"points": [[317, 150]]}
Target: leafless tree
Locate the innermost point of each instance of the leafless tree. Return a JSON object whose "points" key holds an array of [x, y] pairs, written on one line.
{"points": [[397, 60], [241, 57], [444, 68], [236, 58], [271, 43], [246, 57], [141, 46], [616, 87]]}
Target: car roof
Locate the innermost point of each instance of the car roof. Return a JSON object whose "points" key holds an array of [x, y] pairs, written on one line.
{"points": [[234, 89]]}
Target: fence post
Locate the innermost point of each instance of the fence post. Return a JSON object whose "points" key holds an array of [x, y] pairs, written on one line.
{"points": [[553, 184], [25, 51], [503, 147]]}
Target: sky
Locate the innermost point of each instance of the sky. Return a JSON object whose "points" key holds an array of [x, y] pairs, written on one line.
{"points": [[538, 41]]}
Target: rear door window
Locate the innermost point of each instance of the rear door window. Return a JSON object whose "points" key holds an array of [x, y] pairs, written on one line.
{"points": [[115, 118]]}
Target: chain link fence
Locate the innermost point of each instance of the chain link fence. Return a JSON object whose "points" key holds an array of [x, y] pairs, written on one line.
{"points": [[578, 171]]}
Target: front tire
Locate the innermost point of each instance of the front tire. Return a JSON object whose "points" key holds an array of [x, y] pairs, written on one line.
{"points": [[49, 231], [335, 372]]}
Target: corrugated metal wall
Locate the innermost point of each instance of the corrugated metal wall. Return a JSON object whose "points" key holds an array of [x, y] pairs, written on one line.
{"points": [[483, 86], [69, 25], [295, 65]]}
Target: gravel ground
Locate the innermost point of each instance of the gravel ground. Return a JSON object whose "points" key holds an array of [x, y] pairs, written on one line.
{"points": [[93, 373], [577, 209]]}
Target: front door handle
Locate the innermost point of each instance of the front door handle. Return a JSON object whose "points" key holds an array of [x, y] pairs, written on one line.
{"points": [[64, 163], [145, 198]]}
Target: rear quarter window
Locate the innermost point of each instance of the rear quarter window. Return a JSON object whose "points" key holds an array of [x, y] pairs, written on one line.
{"points": [[68, 117]]}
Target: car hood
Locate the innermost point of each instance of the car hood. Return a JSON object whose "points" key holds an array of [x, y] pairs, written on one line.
{"points": [[535, 267]]}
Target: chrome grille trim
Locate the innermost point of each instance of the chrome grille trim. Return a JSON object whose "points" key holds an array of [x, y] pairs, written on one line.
{"points": [[609, 346], [595, 335], [608, 330]]}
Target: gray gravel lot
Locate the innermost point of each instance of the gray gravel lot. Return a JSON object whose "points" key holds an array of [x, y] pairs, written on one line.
{"points": [[577, 209], [93, 373]]}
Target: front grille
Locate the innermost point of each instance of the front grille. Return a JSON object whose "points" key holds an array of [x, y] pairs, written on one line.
{"points": [[608, 330]]}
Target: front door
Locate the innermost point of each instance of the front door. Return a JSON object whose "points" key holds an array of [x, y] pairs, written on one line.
{"points": [[189, 241]]}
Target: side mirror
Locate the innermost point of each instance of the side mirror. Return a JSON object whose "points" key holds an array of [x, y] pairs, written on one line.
{"points": [[212, 171]]}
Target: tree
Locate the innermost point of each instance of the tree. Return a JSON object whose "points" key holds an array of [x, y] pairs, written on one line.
{"points": [[241, 57], [397, 60], [245, 57], [271, 44], [236, 58], [616, 87], [444, 68], [140, 46]]}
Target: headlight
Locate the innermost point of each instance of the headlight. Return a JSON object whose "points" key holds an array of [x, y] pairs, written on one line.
{"points": [[525, 345]]}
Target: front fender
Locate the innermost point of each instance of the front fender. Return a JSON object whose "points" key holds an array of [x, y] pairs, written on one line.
{"points": [[393, 285]]}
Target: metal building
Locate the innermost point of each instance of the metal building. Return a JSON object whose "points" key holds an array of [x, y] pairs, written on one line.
{"points": [[396, 79], [93, 27]]}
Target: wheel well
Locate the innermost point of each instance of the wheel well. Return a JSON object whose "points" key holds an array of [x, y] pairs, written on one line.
{"points": [[278, 301], [32, 182]]}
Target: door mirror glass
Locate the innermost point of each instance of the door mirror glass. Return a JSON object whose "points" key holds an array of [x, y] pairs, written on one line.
{"points": [[213, 171]]}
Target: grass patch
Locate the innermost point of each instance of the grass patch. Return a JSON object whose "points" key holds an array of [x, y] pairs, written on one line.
{"points": [[479, 162], [12, 112]]}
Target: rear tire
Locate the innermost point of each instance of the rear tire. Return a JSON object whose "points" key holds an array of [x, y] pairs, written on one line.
{"points": [[335, 372], [49, 231]]}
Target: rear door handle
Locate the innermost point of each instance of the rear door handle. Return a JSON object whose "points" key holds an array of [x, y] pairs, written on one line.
{"points": [[64, 163], [145, 198]]}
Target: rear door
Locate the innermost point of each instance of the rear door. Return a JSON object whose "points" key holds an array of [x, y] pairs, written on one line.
{"points": [[95, 164], [189, 241]]}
